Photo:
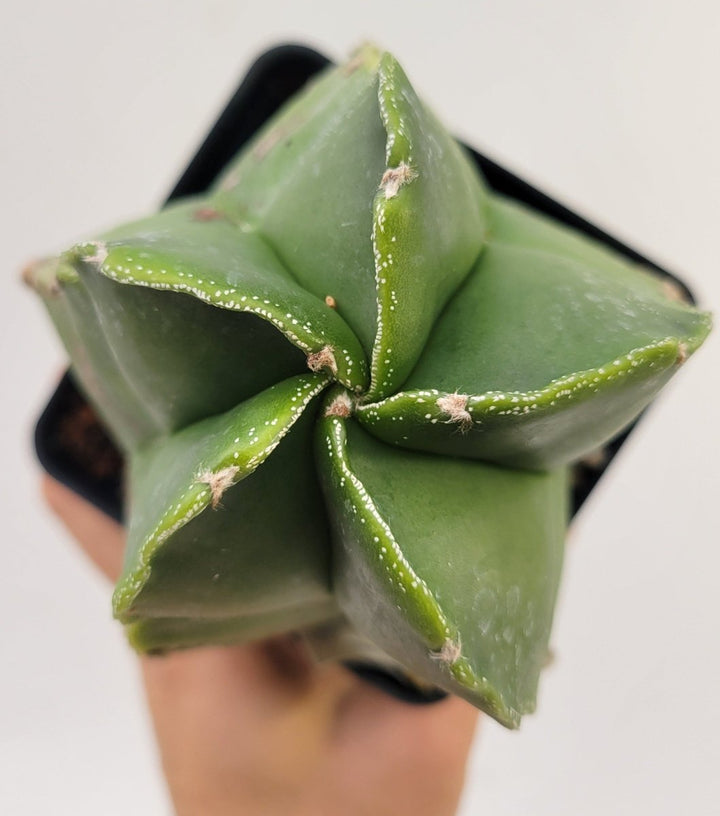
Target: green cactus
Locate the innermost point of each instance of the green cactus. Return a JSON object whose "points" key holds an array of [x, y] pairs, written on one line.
{"points": [[349, 382]]}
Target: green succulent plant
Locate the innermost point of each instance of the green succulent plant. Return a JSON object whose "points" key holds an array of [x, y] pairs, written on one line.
{"points": [[348, 383]]}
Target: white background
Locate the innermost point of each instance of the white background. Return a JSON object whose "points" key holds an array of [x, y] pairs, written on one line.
{"points": [[613, 108]]}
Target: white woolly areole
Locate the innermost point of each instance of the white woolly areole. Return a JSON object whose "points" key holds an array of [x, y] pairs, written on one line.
{"points": [[449, 653], [341, 406], [218, 482], [455, 406], [394, 178], [322, 359]]}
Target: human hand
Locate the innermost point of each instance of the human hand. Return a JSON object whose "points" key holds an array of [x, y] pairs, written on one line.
{"points": [[263, 729]]}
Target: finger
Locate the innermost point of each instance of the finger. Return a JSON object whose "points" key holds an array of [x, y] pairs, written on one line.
{"points": [[372, 706], [101, 538], [385, 744]]}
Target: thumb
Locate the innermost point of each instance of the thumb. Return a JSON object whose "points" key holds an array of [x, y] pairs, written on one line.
{"points": [[101, 538]]}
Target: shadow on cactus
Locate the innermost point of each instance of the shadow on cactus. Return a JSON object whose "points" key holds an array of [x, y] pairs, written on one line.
{"points": [[349, 382]]}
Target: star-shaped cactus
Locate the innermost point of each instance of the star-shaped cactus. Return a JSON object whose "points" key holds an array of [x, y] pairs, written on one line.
{"points": [[348, 382]]}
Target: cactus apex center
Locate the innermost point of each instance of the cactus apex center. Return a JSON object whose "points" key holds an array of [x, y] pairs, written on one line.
{"points": [[455, 406], [449, 653], [341, 406], [218, 482], [322, 359], [394, 178]]}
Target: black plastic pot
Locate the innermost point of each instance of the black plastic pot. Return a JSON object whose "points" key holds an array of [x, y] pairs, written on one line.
{"points": [[71, 443]]}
